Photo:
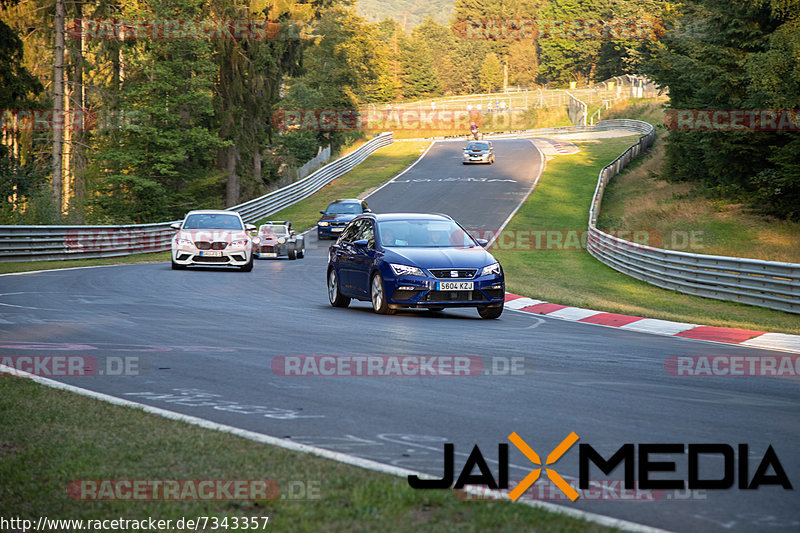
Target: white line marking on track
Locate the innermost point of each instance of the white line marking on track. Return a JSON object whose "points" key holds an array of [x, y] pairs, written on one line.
{"points": [[409, 167], [68, 268]]}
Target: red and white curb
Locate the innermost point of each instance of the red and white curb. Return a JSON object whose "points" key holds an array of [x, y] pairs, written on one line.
{"points": [[742, 337]]}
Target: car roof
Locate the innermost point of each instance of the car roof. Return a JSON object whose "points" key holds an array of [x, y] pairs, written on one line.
{"points": [[346, 201], [407, 216], [211, 212]]}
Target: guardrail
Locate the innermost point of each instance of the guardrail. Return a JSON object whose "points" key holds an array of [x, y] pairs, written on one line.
{"points": [[44, 243], [771, 284], [577, 111]]}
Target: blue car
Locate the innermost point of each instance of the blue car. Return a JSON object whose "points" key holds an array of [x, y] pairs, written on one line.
{"points": [[337, 215], [399, 260]]}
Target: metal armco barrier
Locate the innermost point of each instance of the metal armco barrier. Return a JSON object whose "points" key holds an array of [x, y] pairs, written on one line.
{"points": [[769, 284], [43, 243]]}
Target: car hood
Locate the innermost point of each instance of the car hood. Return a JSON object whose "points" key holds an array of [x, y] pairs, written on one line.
{"points": [[440, 257], [212, 235], [338, 218]]}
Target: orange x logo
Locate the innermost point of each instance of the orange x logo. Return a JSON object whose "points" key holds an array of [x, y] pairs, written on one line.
{"points": [[554, 456]]}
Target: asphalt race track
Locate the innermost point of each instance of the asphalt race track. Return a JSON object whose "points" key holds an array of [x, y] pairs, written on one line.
{"points": [[203, 341]]}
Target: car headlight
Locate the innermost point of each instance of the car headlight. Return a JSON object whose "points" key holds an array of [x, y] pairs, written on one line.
{"points": [[405, 270], [281, 240], [240, 242], [184, 242], [323, 223], [491, 269], [256, 240]]}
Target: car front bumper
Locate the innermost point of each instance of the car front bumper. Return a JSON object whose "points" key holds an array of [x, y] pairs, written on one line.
{"points": [[422, 291], [232, 257], [330, 231], [268, 250]]}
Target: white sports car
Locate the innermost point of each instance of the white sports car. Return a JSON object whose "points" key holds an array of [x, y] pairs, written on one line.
{"points": [[212, 238]]}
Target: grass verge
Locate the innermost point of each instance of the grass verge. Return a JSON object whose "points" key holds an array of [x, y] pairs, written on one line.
{"points": [[50, 438], [27, 266], [573, 277], [687, 220]]}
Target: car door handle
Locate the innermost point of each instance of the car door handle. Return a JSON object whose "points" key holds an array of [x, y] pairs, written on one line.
{"points": [[352, 258]]}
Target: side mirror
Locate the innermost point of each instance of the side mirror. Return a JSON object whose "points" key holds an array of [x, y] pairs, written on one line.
{"points": [[249, 227], [483, 242], [175, 225], [361, 243], [322, 212], [368, 210]]}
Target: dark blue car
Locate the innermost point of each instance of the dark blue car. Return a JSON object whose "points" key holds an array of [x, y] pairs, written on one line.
{"points": [[337, 215], [398, 260]]}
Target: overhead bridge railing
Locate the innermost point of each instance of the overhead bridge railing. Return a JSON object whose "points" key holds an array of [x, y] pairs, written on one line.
{"points": [[771, 284], [44, 243]]}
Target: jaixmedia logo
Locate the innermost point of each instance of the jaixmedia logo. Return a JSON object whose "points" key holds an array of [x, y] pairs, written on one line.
{"points": [[639, 466]]}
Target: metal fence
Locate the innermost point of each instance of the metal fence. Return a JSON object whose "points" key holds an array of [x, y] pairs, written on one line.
{"points": [[322, 157], [577, 111], [769, 284], [28, 243]]}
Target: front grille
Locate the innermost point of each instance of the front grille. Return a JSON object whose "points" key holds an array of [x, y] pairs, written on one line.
{"points": [[199, 259], [206, 245], [266, 249], [445, 273], [338, 224], [461, 296]]}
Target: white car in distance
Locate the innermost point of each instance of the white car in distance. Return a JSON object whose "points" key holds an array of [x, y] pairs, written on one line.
{"points": [[212, 238]]}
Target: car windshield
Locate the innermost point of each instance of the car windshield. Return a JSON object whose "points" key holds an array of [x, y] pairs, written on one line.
{"points": [[275, 230], [213, 221], [478, 146], [344, 209], [424, 234]]}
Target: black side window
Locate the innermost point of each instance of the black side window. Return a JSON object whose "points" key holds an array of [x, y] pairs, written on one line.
{"points": [[351, 231], [367, 232]]}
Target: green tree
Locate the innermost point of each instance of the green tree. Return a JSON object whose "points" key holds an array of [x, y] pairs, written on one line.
{"points": [[736, 59], [167, 136], [22, 181], [491, 74], [523, 64], [419, 74]]}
